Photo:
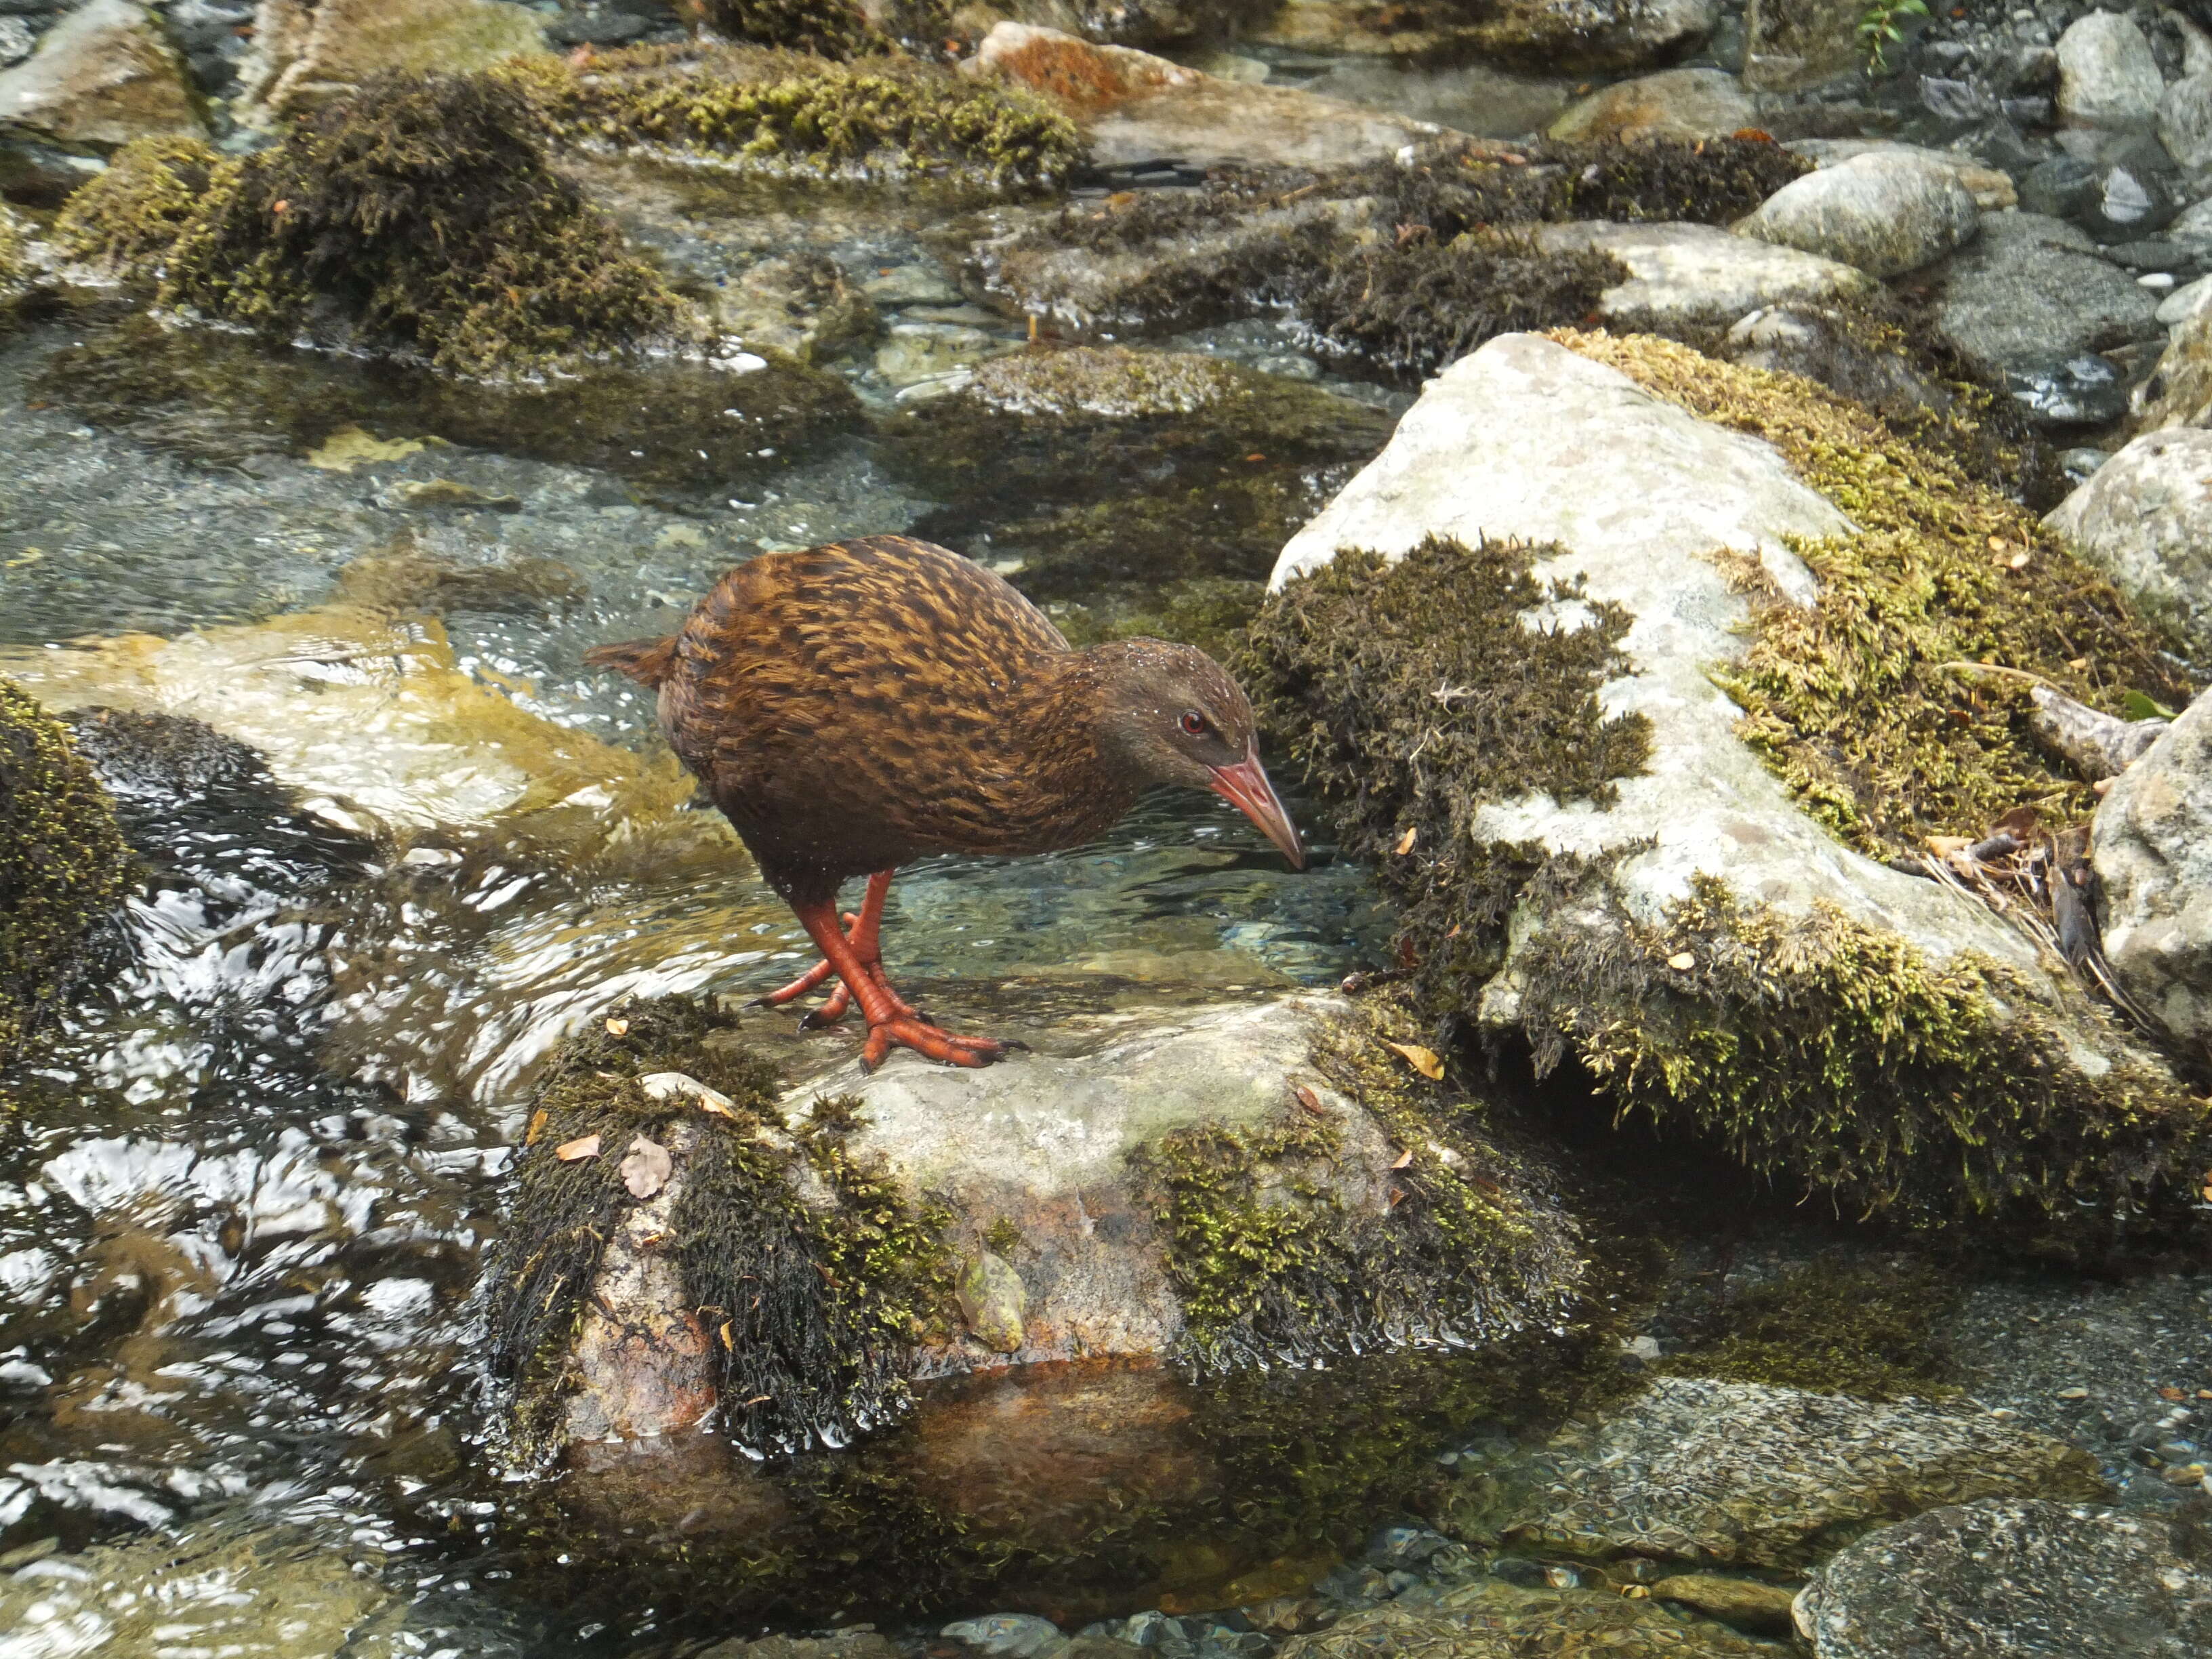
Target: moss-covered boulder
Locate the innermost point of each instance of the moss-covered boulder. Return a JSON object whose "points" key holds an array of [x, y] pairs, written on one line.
{"points": [[418, 216], [1688, 852], [836, 29], [772, 111], [63, 864]]}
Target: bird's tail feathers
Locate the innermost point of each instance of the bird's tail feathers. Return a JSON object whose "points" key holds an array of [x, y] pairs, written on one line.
{"points": [[647, 661]]}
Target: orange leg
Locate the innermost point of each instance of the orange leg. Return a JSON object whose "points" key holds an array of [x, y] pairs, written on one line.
{"points": [[864, 930], [858, 961]]}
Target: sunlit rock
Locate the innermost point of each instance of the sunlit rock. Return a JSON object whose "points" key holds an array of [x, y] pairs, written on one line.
{"points": [[305, 52], [103, 76]]}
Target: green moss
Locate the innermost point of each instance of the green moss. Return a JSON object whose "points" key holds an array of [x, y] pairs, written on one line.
{"points": [[758, 107], [420, 214], [1210, 612], [1853, 701], [1002, 1237], [835, 29], [1361, 665], [13, 267], [1837, 1058], [64, 864], [812, 1310], [1829, 1326], [1270, 1261], [131, 215]]}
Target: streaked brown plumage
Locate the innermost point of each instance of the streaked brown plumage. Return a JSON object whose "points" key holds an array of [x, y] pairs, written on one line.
{"points": [[860, 705]]}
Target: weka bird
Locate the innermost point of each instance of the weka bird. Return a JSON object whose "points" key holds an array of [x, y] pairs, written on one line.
{"points": [[855, 707]]}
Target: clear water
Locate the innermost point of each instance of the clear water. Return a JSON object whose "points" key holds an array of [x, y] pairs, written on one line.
{"points": [[247, 1182]]}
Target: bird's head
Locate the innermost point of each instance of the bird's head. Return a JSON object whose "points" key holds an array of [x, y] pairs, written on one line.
{"points": [[1172, 714]]}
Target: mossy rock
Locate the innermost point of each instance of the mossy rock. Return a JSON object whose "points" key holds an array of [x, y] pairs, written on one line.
{"points": [[1691, 933], [838, 30], [64, 864], [788, 112], [1396, 267], [1102, 466], [1875, 1330], [418, 216], [15, 265]]}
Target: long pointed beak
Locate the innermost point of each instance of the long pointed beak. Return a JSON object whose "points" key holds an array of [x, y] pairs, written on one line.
{"points": [[1245, 785]]}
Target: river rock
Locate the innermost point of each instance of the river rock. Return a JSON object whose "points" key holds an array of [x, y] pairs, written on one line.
{"points": [[2145, 520], [1992, 187], [1134, 107], [369, 716], [103, 76], [2030, 292], [2116, 197], [1695, 274], [1884, 213], [2106, 75], [1789, 44], [2185, 301], [2152, 846], [2180, 390], [1747, 1475], [800, 303], [1746, 1603], [1825, 345], [1685, 103], [2027, 1580], [1575, 36], [1116, 22], [2184, 126], [305, 50], [1492, 1618], [1525, 438]]}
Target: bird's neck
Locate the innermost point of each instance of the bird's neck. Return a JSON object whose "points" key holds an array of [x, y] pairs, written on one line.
{"points": [[1071, 749]]}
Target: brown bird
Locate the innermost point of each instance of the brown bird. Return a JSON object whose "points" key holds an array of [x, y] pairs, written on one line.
{"points": [[857, 706]]}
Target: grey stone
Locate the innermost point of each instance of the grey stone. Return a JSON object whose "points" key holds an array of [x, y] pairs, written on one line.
{"points": [[2185, 301], [2145, 520], [1883, 212], [2024, 1580], [1006, 1635], [1822, 345], [1573, 36], [15, 39], [2184, 126], [2031, 291], [105, 75], [1524, 438], [2152, 846], [1114, 22], [1492, 1619], [1745, 1474], [1685, 103], [2106, 75], [1800, 43], [1991, 187], [2180, 390], [1684, 273], [913, 352], [1472, 98], [800, 303]]}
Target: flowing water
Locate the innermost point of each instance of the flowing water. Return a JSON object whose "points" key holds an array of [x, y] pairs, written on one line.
{"points": [[246, 1182]]}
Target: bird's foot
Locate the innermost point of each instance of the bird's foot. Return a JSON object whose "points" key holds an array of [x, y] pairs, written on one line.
{"points": [[906, 1031], [839, 1002]]}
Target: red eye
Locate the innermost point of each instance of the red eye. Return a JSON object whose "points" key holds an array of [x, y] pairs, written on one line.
{"points": [[1194, 723]]}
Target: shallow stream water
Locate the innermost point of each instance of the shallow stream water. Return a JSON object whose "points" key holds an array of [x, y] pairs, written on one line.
{"points": [[247, 1180]]}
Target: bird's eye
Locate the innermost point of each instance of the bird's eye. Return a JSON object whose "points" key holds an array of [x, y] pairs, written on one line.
{"points": [[1194, 723]]}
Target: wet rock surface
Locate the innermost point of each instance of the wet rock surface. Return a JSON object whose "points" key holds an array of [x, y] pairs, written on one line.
{"points": [[1884, 214], [2030, 292], [1694, 274], [2032, 1579]]}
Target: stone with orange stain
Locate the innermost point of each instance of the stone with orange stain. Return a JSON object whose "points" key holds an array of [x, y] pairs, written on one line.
{"points": [[1133, 106]]}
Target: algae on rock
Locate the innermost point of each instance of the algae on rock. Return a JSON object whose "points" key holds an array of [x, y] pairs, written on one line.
{"points": [[420, 214], [787, 110], [63, 864], [809, 1273], [835, 29]]}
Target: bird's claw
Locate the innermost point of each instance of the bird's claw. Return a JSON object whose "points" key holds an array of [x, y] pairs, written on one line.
{"points": [[931, 1041]]}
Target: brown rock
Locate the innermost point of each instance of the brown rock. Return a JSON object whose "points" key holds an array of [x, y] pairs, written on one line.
{"points": [[1690, 103], [103, 76], [1743, 1602], [1133, 106]]}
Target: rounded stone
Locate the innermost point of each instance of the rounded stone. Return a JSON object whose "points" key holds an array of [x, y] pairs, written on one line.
{"points": [[1883, 212], [2106, 75]]}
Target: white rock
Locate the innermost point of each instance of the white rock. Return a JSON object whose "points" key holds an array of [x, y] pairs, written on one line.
{"points": [[2106, 75], [1523, 438], [2152, 846], [2184, 126], [1991, 187], [2145, 520], [1883, 212], [1688, 273], [2185, 301], [105, 75]]}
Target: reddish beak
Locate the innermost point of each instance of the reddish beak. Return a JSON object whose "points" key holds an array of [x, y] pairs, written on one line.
{"points": [[1245, 785]]}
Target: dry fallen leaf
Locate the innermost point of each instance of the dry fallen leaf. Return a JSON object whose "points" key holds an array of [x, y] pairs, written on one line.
{"points": [[646, 1168], [584, 1146], [1423, 1061], [2172, 1393], [1405, 842], [1943, 845], [1682, 962], [2018, 561], [666, 1085], [536, 1128], [1403, 1158], [618, 1028], [1311, 1100]]}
